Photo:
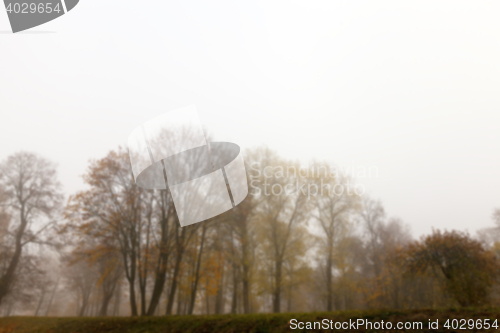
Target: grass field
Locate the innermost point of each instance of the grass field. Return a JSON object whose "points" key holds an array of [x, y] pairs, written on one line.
{"points": [[248, 323]]}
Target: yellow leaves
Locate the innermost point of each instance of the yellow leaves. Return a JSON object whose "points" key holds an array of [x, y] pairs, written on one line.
{"points": [[213, 267], [110, 266]]}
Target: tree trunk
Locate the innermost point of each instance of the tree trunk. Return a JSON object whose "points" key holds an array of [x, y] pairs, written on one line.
{"points": [[160, 278], [40, 302], [116, 306], [7, 279], [130, 275], [329, 290], [234, 303], [219, 299], [246, 291], [108, 291], [161, 268], [207, 301], [246, 272], [142, 290], [84, 306], [173, 288], [277, 287], [180, 300], [194, 288], [289, 299], [52, 297], [171, 296], [103, 312], [133, 303]]}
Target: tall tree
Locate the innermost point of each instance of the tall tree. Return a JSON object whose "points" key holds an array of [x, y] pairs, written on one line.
{"points": [[283, 206], [111, 212], [31, 197], [334, 204]]}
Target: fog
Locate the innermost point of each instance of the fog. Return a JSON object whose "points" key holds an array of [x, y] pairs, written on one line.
{"points": [[408, 88]]}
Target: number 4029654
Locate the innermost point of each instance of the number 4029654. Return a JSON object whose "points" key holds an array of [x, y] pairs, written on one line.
{"points": [[31, 8], [462, 324]]}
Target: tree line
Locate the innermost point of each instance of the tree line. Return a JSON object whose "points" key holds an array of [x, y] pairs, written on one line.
{"points": [[303, 240]]}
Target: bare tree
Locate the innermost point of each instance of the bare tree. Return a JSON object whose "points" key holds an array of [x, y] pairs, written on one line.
{"points": [[31, 196], [372, 217], [283, 207], [333, 206]]}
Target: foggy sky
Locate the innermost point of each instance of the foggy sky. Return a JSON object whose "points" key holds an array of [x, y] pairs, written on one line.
{"points": [[410, 88]]}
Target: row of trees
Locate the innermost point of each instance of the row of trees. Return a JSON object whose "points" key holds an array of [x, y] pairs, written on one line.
{"points": [[302, 240]]}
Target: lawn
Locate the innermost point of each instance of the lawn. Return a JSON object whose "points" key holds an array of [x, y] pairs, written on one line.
{"points": [[251, 323]]}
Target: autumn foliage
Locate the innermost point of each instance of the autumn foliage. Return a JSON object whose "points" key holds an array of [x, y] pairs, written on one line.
{"points": [[118, 249], [466, 270]]}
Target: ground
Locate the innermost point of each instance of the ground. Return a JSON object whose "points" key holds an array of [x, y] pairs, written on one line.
{"points": [[256, 322]]}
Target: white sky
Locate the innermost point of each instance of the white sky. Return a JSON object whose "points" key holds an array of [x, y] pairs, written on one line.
{"points": [[409, 87]]}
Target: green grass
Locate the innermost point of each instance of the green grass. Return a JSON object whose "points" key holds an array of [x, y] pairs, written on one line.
{"points": [[238, 323]]}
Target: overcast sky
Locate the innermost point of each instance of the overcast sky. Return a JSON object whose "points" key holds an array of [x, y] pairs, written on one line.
{"points": [[412, 88]]}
